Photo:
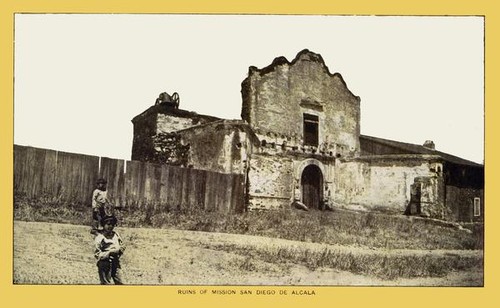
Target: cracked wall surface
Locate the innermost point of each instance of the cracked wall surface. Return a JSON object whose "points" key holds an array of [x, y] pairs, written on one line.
{"points": [[276, 98]]}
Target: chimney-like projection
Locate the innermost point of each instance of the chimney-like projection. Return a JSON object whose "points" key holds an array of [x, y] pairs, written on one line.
{"points": [[429, 144]]}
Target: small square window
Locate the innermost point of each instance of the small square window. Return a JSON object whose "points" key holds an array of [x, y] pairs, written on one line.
{"points": [[477, 207]]}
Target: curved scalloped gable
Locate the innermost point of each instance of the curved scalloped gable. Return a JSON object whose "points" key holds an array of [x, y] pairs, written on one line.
{"points": [[303, 55], [276, 97]]}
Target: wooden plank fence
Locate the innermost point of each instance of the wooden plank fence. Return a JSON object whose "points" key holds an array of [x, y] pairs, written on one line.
{"points": [[69, 177]]}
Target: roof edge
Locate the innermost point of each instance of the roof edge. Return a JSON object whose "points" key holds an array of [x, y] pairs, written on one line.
{"points": [[445, 156], [163, 109]]}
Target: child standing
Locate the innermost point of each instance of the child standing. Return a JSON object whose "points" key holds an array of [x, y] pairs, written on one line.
{"points": [[99, 203], [108, 250]]}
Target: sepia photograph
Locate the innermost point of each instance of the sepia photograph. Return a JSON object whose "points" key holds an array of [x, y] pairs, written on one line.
{"points": [[248, 150]]}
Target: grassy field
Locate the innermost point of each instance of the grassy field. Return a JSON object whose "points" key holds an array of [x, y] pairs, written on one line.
{"points": [[372, 230], [377, 249]]}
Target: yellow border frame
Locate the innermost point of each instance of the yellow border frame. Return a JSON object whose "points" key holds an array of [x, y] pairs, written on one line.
{"points": [[134, 296]]}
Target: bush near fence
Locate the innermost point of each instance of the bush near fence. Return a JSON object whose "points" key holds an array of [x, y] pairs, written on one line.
{"points": [[70, 177]]}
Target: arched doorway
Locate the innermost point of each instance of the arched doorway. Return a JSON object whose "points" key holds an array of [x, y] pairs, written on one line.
{"points": [[311, 183]]}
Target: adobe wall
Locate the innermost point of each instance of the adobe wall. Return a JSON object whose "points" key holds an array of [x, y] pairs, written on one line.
{"points": [[275, 99], [432, 196], [274, 176], [378, 183], [167, 123], [217, 147], [270, 181]]}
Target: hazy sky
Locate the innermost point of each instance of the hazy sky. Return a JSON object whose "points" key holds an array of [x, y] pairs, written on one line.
{"points": [[80, 79]]}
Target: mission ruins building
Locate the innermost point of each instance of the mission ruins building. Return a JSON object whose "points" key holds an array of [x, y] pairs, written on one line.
{"points": [[298, 143]]}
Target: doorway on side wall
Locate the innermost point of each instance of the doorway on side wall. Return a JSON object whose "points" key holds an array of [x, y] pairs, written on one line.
{"points": [[312, 187]]}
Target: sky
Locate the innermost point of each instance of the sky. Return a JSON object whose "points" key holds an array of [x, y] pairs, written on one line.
{"points": [[81, 78]]}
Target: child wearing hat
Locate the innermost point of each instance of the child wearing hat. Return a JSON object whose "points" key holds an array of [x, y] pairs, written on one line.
{"points": [[108, 250], [99, 203]]}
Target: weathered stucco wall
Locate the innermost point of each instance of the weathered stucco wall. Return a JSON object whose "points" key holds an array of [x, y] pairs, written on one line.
{"points": [[275, 99], [171, 120], [432, 196], [167, 123], [218, 146], [270, 181], [378, 183]]}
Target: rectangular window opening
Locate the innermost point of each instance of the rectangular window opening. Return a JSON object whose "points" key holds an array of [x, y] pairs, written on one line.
{"points": [[311, 130], [477, 207]]}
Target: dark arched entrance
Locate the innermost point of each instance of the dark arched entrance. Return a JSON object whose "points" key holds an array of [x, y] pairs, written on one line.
{"points": [[312, 183]]}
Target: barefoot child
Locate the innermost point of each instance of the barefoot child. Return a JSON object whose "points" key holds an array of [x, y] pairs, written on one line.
{"points": [[108, 250]]}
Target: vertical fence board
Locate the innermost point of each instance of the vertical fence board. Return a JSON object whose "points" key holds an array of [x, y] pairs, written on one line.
{"points": [[70, 177], [130, 192], [141, 184], [164, 183], [35, 171], [28, 171], [196, 188], [19, 169], [229, 192], [210, 192], [201, 189], [238, 191], [170, 188], [220, 193], [90, 174], [207, 200], [134, 183], [239, 194], [49, 173], [78, 186], [176, 188], [147, 185], [219, 205], [185, 175], [152, 184], [118, 182], [225, 194], [62, 178], [23, 170]]}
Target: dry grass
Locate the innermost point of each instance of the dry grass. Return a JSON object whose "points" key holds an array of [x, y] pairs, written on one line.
{"points": [[329, 227], [381, 264], [373, 230]]}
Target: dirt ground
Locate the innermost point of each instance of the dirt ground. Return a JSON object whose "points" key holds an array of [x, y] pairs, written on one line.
{"points": [[50, 253]]}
